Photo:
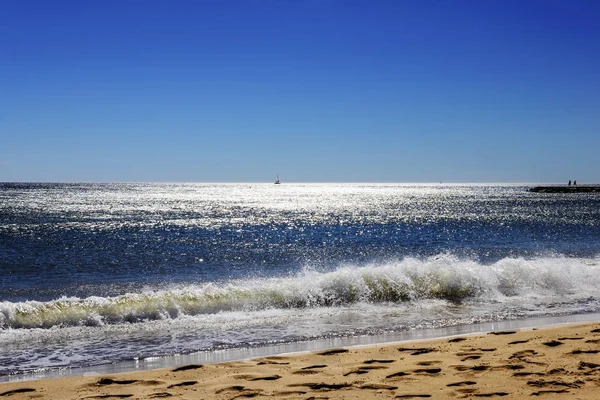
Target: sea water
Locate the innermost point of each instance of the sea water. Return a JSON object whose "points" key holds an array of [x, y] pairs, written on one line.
{"points": [[98, 274]]}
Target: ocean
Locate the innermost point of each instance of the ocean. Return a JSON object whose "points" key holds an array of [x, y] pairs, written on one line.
{"points": [[95, 275]]}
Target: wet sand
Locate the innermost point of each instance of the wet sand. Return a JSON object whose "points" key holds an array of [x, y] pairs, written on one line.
{"points": [[554, 362]]}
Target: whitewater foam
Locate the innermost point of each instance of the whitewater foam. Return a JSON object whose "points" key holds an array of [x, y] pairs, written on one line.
{"points": [[444, 277]]}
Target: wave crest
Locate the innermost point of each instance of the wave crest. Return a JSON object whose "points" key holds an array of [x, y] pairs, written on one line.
{"points": [[441, 277]]}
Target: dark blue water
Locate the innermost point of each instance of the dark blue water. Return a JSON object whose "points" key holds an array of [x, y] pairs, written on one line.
{"points": [[161, 269]]}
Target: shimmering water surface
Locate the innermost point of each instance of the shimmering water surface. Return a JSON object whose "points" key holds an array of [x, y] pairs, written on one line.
{"points": [[96, 273]]}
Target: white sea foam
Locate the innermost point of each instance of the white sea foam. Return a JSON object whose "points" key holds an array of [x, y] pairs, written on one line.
{"points": [[349, 301], [409, 280]]}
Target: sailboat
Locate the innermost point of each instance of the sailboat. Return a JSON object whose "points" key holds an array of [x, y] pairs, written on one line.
{"points": [[277, 182]]}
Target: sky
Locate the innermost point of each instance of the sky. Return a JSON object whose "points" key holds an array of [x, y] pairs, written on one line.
{"points": [[312, 90]]}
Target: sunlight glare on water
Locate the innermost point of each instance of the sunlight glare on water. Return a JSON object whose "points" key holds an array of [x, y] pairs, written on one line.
{"points": [[130, 271]]}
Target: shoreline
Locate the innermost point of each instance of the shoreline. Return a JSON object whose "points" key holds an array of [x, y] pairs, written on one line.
{"points": [[246, 353], [561, 359]]}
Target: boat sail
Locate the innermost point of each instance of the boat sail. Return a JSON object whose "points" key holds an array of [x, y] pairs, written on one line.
{"points": [[277, 182]]}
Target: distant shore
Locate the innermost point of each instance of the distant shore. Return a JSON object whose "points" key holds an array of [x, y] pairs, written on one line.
{"points": [[566, 189], [562, 361]]}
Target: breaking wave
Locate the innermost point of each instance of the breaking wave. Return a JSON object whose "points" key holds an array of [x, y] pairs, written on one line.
{"points": [[442, 277]]}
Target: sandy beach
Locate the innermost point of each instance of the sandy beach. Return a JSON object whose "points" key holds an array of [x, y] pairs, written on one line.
{"points": [[561, 361]]}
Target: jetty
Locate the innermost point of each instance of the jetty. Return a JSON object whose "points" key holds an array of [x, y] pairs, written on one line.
{"points": [[566, 189]]}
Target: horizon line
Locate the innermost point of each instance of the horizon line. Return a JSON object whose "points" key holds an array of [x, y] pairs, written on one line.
{"points": [[298, 182]]}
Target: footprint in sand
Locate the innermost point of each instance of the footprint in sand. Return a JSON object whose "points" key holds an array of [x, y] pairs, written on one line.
{"points": [[472, 368], [15, 391], [364, 370], [332, 352], [187, 367], [235, 388], [462, 383], [519, 342], [473, 350], [415, 351], [455, 340], [467, 390], [272, 360], [306, 372], [266, 378], [503, 333], [427, 363], [429, 371], [541, 392], [510, 366], [110, 381], [491, 394], [553, 343], [289, 393], [470, 358], [242, 391], [258, 378], [320, 386], [315, 366], [579, 351], [412, 396], [397, 374], [524, 373], [184, 383], [520, 355], [269, 362], [378, 361], [590, 365], [246, 395], [378, 386], [541, 383], [276, 358], [557, 371], [151, 383], [310, 370]]}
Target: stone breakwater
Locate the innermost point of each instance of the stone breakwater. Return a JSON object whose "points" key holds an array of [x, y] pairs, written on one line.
{"points": [[566, 189]]}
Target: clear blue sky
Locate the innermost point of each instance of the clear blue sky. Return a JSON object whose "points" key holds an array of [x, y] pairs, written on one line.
{"points": [[315, 90]]}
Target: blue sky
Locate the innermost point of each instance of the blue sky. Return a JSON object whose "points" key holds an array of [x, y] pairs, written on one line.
{"points": [[315, 90]]}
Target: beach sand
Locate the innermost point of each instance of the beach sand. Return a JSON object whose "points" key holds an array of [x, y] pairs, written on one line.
{"points": [[555, 362]]}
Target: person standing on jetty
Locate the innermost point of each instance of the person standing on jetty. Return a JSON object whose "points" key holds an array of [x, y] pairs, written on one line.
{"points": [[569, 182]]}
